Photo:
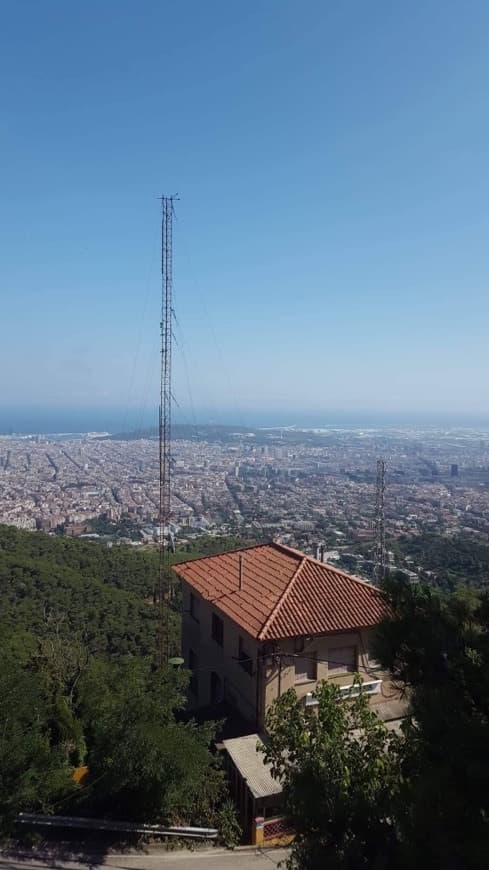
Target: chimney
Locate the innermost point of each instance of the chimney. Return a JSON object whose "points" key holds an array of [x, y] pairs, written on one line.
{"points": [[321, 552], [240, 571]]}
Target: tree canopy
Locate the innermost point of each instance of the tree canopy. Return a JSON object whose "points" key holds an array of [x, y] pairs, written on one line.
{"points": [[149, 765], [359, 796], [79, 685], [438, 646], [104, 595], [454, 561], [339, 768]]}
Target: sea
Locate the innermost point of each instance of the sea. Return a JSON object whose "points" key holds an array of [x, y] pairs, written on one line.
{"points": [[66, 421]]}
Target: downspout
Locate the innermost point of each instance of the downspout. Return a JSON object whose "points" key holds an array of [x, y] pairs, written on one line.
{"points": [[259, 704]]}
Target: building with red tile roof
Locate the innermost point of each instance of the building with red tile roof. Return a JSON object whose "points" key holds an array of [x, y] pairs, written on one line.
{"points": [[260, 620]]}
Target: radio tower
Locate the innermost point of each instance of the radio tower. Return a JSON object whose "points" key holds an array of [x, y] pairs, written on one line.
{"points": [[166, 327], [380, 557]]}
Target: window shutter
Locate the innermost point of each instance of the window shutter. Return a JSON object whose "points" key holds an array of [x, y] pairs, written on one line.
{"points": [[342, 660]]}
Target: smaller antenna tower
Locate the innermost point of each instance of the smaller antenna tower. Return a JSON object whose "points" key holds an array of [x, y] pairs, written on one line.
{"points": [[380, 556]]}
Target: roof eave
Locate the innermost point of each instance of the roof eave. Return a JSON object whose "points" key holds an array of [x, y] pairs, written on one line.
{"points": [[315, 634]]}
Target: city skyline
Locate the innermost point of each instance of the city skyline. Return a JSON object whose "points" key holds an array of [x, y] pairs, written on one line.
{"points": [[303, 488], [330, 240]]}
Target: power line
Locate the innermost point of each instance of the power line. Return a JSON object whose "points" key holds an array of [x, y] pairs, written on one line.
{"points": [[371, 672], [137, 357], [224, 364]]}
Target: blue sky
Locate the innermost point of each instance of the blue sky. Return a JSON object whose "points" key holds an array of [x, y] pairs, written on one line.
{"points": [[331, 243]]}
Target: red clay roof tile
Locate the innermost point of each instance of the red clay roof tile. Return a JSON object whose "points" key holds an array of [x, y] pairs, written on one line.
{"points": [[284, 593]]}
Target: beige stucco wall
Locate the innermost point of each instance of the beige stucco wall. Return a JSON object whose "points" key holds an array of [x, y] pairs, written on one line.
{"points": [[239, 686], [280, 678]]}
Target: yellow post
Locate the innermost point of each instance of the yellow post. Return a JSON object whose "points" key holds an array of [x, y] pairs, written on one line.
{"points": [[79, 774], [257, 831]]}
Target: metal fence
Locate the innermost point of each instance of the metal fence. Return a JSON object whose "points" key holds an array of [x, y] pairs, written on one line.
{"points": [[80, 823], [276, 828]]}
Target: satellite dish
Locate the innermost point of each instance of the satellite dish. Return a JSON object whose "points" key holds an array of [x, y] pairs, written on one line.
{"points": [[176, 661]]}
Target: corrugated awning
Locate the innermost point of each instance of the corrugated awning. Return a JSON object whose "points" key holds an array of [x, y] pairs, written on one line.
{"points": [[251, 765]]}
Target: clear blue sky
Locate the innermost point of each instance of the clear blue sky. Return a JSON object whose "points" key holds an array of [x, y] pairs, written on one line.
{"points": [[332, 241]]}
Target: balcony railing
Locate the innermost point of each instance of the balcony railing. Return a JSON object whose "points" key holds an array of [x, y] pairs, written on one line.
{"points": [[351, 691]]}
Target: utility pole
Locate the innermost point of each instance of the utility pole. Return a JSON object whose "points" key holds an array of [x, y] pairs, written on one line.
{"points": [[166, 330], [380, 556]]}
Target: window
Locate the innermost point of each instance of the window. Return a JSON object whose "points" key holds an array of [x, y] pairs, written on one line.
{"points": [[217, 694], [244, 658], [298, 644], [342, 660], [193, 665], [217, 630], [306, 668], [194, 607]]}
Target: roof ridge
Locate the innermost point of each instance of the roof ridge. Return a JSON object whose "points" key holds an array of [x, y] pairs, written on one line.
{"points": [[293, 551], [282, 598], [340, 572], [220, 555], [289, 551]]}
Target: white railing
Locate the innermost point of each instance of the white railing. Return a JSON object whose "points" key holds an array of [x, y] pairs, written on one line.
{"points": [[351, 691], [372, 688]]}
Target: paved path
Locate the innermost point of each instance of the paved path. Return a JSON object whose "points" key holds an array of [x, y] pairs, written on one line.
{"points": [[155, 859]]}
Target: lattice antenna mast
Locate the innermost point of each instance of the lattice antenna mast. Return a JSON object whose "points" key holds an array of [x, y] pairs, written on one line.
{"points": [[380, 557], [166, 328]]}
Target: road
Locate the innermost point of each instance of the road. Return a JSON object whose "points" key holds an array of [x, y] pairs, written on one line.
{"points": [[155, 859]]}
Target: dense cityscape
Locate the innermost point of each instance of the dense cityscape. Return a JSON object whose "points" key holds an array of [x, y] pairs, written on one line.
{"points": [[303, 487]]}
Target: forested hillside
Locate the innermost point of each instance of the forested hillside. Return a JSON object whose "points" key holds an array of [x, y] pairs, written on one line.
{"points": [[79, 685], [103, 595], [454, 561]]}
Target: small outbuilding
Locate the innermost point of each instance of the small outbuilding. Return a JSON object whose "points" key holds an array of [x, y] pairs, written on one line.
{"points": [[255, 791]]}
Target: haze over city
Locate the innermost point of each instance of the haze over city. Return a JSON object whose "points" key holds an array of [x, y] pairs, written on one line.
{"points": [[331, 236]]}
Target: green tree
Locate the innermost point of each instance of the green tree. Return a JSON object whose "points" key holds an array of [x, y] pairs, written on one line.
{"points": [[34, 770], [338, 766], [78, 633], [144, 763], [437, 647], [60, 661]]}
